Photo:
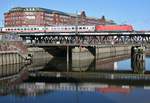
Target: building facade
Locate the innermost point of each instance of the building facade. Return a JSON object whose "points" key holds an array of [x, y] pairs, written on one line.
{"points": [[31, 16]]}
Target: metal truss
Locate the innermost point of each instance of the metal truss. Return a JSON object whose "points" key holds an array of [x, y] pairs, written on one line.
{"points": [[87, 38]]}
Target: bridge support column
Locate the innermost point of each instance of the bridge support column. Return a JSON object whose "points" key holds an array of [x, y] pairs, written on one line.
{"points": [[67, 58], [138, 59]]}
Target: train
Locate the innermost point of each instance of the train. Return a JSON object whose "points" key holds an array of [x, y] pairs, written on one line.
{"points": [[69, 28]]}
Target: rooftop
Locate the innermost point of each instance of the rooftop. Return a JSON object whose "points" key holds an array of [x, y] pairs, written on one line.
{"points": [[28, 9], [33, 9]]}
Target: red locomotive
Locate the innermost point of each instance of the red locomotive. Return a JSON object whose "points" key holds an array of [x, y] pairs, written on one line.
{"points": [[114, 28]]}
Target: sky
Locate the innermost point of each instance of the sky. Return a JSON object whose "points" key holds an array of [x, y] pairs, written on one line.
{"points": [[134, 12]]}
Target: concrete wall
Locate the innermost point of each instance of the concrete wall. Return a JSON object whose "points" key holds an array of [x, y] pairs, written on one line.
{"points": [[11, 57], [100, 52]]}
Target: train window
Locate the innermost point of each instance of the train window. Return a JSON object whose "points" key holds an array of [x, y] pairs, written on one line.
{"points": [[84, 28], [80, 27], [65, 28], [72, 28]]}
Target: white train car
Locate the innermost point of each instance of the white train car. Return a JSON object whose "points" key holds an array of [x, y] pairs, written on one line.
{"points": [[23, 29], [26, 29], [70, 28]]}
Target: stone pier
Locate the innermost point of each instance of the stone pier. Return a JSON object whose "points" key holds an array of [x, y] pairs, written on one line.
{"points": [[39, 53]]}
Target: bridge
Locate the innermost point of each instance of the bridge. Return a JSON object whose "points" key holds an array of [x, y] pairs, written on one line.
{"points": [[86, 38], [92, 41]]}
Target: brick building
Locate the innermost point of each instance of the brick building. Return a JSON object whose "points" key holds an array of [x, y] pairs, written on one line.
{"points": [[33, 16]]}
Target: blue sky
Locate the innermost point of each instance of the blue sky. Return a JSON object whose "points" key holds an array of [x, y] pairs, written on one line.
{"points": [[135, 12]]}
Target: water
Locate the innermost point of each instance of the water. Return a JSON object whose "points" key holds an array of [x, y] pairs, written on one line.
{"points": [[76, 93], [21, 89], [126, 64]]}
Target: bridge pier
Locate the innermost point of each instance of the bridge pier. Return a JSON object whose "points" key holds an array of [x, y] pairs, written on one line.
{"points": [[138, 59], [68, 58], [81, 58]]}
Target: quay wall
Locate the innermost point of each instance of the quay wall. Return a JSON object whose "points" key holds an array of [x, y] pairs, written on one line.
{"points": [[100, 52], [112, 51], [11, 57]]}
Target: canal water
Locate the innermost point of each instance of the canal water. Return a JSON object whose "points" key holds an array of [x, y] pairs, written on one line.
{"points": [[16, 85]]}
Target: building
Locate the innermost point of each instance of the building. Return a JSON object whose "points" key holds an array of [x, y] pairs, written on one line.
{"points": [[34, 16]]}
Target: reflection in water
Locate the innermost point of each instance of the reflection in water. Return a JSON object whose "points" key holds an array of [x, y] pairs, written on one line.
{"points": [[77, 93], [11, 76], [91, 65], [8, 70], [21, 89], [34, 89], [38, 64], [60, 64], [81, 65], [138, 66]]}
